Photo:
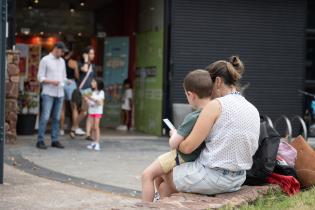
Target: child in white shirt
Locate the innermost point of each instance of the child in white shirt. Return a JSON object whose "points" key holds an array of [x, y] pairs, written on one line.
{"points": [[126, 107], [95, 111]]}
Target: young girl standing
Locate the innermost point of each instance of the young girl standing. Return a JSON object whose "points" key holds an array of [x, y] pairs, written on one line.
{"points": [[95, 111]]}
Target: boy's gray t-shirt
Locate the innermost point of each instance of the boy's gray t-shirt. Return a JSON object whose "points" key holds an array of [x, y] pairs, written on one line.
{"points": [[184, 130]]}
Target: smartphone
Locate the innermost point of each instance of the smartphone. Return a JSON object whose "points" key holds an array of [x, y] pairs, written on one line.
{"points": [[169, 124]]}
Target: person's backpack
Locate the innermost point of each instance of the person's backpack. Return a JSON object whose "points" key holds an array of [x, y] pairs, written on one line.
{"points": [[264, 160]]}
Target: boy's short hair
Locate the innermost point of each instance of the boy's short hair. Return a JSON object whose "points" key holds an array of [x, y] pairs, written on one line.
{"points": [[199, 82]]}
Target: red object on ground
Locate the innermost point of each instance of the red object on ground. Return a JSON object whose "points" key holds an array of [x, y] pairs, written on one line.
{"points": [[289, 184]]}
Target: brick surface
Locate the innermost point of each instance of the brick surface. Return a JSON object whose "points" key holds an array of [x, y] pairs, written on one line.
{"points": [[246, 195], [11, 118], [12, 93], [13, 70], [15, 79], [11, 104], [12, 90], [10, 58], [16, 58], [6, 126]]}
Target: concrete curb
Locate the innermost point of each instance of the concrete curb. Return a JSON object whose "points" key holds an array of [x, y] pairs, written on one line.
{"points": [[27, 166]]}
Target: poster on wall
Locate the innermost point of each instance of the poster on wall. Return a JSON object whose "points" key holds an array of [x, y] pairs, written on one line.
{"points": [[33, 62], [29, 86], [24, 52], [149, 82], [116, 63]]}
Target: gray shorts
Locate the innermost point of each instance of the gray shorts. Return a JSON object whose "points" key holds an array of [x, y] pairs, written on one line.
{"points": [[193, 177]]}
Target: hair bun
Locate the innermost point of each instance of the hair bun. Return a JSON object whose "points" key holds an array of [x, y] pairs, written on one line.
{"points": [[237, 64]]}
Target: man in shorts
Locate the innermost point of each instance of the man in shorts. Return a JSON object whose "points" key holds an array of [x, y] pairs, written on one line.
{"points": [[198, 87]]}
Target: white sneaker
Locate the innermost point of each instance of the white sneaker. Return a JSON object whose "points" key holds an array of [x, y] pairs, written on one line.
{"points": [[122, 128], [79, 132], [97, 147], [156, 197], [62, 132], [91, 146]]}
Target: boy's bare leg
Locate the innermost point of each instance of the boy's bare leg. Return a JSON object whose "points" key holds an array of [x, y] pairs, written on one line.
{"points": [[148, 176], [157, 182], [167, 187]]}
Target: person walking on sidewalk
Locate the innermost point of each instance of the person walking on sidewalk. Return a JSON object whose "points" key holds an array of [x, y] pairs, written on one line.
{"points": [[52, 76]]}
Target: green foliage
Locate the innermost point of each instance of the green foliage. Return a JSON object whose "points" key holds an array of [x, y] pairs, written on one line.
{"points": [[276, 200], [27, 101]]}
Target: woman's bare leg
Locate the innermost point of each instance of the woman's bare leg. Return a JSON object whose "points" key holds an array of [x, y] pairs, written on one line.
{"points": [[75, 115], [62, 116]]}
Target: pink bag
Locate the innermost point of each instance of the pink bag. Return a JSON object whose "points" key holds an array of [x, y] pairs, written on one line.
{"points": [[287, 152]]}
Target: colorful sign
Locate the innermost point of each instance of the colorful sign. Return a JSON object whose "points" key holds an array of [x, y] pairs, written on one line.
{"points": [[24, 51], [33, 62], [30, 56], [116, 63], [149, 82]]}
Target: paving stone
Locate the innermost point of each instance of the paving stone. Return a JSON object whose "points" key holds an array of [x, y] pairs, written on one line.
{"points": [[247, 194]]}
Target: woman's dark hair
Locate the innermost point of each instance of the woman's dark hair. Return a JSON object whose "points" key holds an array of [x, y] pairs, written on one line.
{"points": [[230, 70], [87, 49], [99, 83]]}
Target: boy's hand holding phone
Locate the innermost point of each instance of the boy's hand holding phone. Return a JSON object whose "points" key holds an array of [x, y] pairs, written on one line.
{"points": [[172, 131]]}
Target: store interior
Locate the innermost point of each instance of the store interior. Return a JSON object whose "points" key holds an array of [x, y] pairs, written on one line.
{"points": [[126, 35]]}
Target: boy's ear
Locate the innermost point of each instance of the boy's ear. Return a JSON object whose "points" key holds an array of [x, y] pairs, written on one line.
{"points": [[191, 94]]}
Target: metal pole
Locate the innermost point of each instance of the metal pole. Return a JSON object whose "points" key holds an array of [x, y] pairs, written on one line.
{"points": [[3, 22]]}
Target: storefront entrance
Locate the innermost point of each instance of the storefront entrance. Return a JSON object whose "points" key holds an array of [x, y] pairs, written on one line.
{"points": [[128, 36]]}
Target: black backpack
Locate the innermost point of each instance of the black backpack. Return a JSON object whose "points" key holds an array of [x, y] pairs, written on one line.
{"points": [[264, 160]]}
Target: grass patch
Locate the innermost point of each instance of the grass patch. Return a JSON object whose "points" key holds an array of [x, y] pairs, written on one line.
{"points": [[276, 200]]}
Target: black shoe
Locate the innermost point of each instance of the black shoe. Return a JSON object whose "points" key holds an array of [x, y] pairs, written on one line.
{"points": [[57, 144], [41, 145], [88, 138]]}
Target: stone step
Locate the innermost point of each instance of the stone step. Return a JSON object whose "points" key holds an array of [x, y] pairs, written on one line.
{"points": [[247, 194]]}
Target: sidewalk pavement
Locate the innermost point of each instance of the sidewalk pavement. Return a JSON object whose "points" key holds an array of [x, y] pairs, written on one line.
{"points": [[119, 163], [22, 191], [77, 178]]}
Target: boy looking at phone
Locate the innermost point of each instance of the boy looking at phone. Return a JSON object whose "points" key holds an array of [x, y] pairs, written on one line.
{"points": [[198, 86]]}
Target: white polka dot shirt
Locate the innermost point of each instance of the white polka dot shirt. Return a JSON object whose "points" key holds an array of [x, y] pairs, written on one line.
{"points": [[233, 139]]}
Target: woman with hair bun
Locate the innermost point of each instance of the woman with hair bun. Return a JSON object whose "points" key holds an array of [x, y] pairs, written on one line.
{"points": [[230, 124]]}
